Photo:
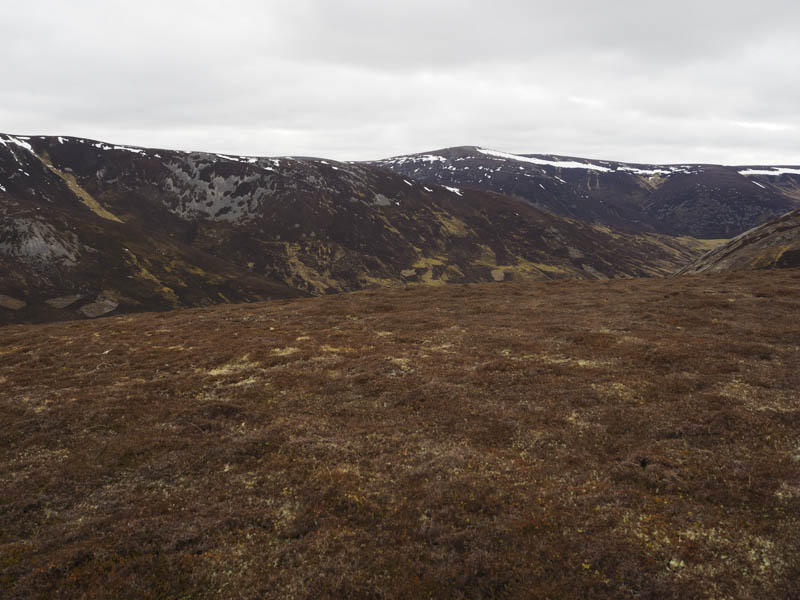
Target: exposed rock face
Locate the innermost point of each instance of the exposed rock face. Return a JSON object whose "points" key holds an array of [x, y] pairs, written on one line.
{"points": [[773, 245], [101, 306], [11, 303], [160, 229], [34, 241], [705, 201], [63, 301]]}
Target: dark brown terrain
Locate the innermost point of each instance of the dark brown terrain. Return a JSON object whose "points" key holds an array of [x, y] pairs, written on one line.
{"points": [[773, 245], [89, 229], [703, 201], [561, 439]]}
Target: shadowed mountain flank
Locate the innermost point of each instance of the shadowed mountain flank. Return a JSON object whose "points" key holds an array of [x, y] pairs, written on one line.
{"points": [[121, 229], [775, 244], [703, 201]]}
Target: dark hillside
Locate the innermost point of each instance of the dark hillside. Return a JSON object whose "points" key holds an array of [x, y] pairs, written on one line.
{"points": [[89, 228], [703, 201], [773, 245]]}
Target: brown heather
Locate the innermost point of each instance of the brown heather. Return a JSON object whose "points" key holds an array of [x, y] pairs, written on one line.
{"points": [[632, 438]]}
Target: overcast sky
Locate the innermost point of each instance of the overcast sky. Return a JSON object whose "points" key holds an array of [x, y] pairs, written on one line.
{"points": [[637, 80]]}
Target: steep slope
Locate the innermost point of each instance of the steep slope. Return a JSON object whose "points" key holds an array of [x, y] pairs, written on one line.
{"points": [[704, 201], [86, 218], [775, 244], [63, 254]]}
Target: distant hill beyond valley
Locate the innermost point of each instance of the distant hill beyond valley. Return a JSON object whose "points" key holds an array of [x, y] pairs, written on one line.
{"points": [[704, 201]]}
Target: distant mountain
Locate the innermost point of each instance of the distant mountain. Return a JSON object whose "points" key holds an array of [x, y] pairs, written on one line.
{"points": [[775, 244], [703, 201], [89, 228]]}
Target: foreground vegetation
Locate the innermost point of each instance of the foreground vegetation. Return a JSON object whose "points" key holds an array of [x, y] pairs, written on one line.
{"points": [[632, 438]]}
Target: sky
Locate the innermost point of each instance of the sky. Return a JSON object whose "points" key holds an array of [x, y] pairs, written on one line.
{"points": [[638, 81]]}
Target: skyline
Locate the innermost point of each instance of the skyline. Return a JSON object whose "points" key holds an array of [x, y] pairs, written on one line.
{"points": [[708, 83]]}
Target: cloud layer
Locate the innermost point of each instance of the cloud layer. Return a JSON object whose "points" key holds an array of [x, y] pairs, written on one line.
{"points": [[708, 81]]}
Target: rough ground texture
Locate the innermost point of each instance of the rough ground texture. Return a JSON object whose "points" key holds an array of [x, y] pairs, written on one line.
{"points": [[145, 229], [775, 244], [565, 439], [704, 201]]}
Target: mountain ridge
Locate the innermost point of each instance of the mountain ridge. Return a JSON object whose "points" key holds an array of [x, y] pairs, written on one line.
{"points": [[700, 200], [125, 228]]}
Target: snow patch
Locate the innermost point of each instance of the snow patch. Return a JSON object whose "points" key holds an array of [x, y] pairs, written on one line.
{"points": [[250, 160], [18, 142], [562, 164], [759, 185], [453, 189], [431, 158], [400, 160], [242, 159], [647, 171], [773, 172], [104, 146]]}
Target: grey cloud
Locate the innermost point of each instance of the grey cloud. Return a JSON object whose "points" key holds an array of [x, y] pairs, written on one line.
{"points": [[633, 80]]}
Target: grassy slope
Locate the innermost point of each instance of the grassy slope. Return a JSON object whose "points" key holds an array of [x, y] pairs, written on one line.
{"points": [[562, 439]]}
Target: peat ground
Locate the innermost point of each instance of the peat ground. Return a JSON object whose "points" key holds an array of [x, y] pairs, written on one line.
{"points": [[565, 439]]}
